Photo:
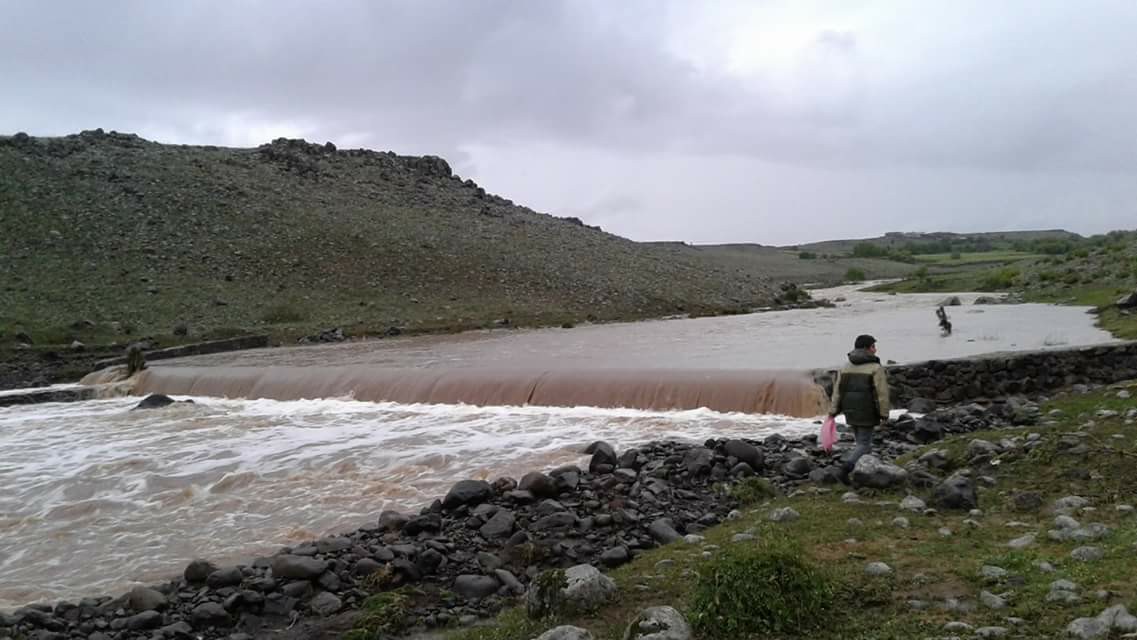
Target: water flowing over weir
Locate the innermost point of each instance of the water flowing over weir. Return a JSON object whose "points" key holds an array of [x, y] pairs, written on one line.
{"points": [[726, 391]]}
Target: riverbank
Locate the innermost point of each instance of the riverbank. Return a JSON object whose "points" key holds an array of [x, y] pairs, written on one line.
{"points": [[468, 555]]}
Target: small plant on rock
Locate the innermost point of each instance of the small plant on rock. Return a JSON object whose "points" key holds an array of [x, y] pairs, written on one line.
{"points": [[383, 614], [753, 490], [757, 589]]}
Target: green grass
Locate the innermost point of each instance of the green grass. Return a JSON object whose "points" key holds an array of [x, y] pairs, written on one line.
{"points": [[927, 566], [984, 258]]}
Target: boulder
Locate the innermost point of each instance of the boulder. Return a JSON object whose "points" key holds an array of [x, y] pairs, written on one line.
{"points": [[325, 604], [921, 405], [425, 522], [698, 461], [499, 526], [745, 452], [565, 632], [297, 567], [956, 492], [663, 531], [198, 571], [467, 492], [658, 623], [210, 614], [146, 599], [952, 301], [392, 520], [539, 484], [144, 620], [580, 588], [604, 457], [870, 471], [227, 577], [1127, 301], [475, 587]]}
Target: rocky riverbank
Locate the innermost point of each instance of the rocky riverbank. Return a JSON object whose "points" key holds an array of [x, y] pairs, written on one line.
{"points": [[484, 544]]}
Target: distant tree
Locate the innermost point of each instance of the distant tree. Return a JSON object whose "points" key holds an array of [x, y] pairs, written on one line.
{"points": [[807, 255], [855, 275], [868, 250]]}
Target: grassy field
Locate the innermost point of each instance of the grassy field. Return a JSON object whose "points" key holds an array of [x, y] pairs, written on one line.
{"points": [[984, 258], [936, 558], [1095, 272]]}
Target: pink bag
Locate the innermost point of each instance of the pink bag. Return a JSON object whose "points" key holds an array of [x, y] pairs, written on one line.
{"points": [[828, 433]]}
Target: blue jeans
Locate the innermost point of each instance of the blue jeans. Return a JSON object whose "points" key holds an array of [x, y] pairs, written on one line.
{"points": [[863, 437]]}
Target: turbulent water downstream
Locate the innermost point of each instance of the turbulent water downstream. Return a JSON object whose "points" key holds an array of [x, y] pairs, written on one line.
{"points": [[96, 497]]}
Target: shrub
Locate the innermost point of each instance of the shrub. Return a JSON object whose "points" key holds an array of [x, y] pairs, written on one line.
{"points": [[807, 255], [868, 250], [1001, 279], [855, 275], [759, 589], [753, 490], [383, 615], [955, 255], [922, 273]]}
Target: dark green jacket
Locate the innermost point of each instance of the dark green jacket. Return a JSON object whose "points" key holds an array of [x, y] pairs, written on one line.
{"points": [[861, 391]]}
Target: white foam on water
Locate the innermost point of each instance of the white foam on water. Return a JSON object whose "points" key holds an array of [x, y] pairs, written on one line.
{"points": [[98, 497]]}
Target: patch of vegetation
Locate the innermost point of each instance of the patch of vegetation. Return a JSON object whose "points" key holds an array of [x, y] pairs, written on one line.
{"points": [[381, 616], [752, 490], [766, 588], [855, 275]]}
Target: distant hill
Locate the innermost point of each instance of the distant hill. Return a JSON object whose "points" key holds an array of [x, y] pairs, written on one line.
{"points": [[942, 241], [113, 231], [789, 265]]}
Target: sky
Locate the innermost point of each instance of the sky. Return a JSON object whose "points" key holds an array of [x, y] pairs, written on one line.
{"points": [[718, 121]]}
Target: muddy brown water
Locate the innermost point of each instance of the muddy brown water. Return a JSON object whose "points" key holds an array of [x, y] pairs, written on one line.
{"points": [[97, 498]]}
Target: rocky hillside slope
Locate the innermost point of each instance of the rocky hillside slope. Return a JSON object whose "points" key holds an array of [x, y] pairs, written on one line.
{"points": [[291, 237]]}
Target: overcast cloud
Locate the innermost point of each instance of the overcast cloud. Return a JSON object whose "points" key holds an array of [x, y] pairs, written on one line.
{"points": [[747, 121]]}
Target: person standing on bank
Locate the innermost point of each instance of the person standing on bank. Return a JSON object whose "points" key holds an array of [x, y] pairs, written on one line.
{"points": [[861, 393]]}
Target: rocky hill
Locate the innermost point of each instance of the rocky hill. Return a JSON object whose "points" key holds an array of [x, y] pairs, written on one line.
{"points": [[108, 232]]}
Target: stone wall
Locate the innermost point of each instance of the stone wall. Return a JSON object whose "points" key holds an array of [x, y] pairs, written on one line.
{"points": [[196, 349], [1004, 374]]}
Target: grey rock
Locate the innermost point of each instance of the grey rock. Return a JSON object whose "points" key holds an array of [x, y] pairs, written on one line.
{"points": [[992, 601], [227, 577], [197, 571], [392, 520], [565, 632], [583, 588], [467, 492], [1028, 501], [499, 526], [981, 448], [658, 623], [615, 556], [798, 467], [1087, 629], [325, 604], [146, 599], [424, 523], [1087, 554], [555, 521], [1119, 619], [991, 632], [877, 569], [698, 461], [743, 537], [510, 581], [333, 545], [539, 484], [297, 567], [745, 452], [144, 620], [474, 587], [210, 614], [366, 567], [603, 455], [870, 471], [784, 514], [958, 627], [912, 503], [956, 492], [1022, 542], [991, 572], [1070, 504], [663, 531], [900, 522]]}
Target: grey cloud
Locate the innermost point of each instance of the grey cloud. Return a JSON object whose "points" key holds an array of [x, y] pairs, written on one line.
{"points": [[1036, 89]]}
